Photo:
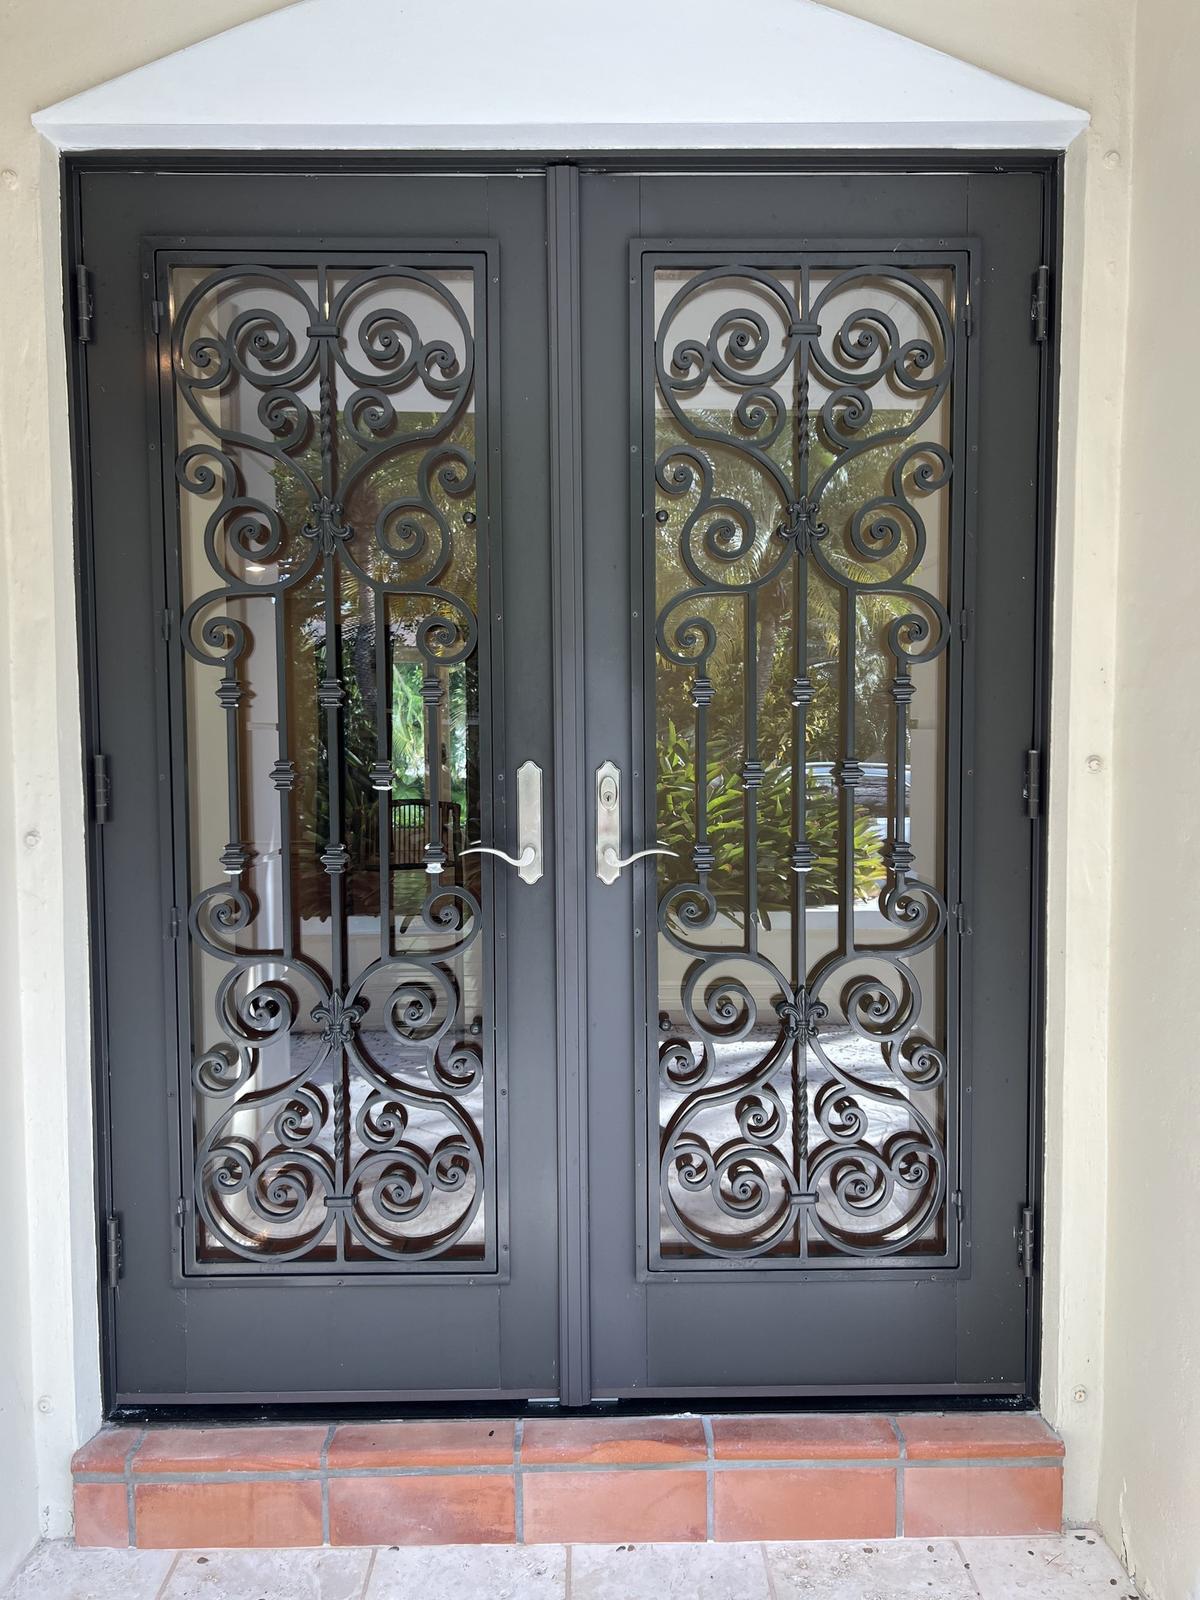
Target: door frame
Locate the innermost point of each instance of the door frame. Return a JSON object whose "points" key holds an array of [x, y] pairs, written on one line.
{"points": [[570, 815]]}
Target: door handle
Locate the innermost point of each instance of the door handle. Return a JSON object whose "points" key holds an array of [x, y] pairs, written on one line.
{"points": [[529, 827], [610, 863]]}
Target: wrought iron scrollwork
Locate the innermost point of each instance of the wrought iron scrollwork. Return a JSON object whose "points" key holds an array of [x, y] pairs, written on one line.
{"points": [[802, 436], [329, 424]]}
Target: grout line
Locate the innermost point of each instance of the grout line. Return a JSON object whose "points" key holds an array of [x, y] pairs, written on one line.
{"points": [[130, 1501], [710, 1484], [503, 1469], [567, 1575], [902, 1454], [967, 1568], [519, 1483], [168, 1575], [770, 1575], [325, 1484], [369, 1572]]}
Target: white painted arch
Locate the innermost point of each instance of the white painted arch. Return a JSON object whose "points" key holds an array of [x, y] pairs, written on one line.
{"points": [[559, 75]]}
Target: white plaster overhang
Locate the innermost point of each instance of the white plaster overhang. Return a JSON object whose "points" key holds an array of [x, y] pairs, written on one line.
{"points": [[551, 75]]}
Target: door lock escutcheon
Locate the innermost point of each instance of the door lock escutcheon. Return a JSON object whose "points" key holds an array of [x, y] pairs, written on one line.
{"points": [[609, 861], [528, 860]]}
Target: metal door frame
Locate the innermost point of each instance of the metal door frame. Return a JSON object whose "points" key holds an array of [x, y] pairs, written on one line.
{"points": [[571, 789]]}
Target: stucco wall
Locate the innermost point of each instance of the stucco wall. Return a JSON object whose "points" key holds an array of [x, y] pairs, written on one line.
{"points": [[52, 48], [1150, 1477], [48, 1343]]}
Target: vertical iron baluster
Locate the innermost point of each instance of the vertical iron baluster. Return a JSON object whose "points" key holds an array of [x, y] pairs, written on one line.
{"points": [[848, 770], [381, 773], [431, 695], [900, 858], [283, 776], [331, 695], [702, 851], [752, 771], [229, 692], [802, 854]]}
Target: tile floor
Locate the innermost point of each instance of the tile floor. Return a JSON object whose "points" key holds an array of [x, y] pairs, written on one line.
{"points": [[1073, 1566]]}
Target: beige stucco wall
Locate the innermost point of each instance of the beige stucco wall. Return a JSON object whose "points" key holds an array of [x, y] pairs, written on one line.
{"points": [[48, 1342], [1150, 1475], [48, 1371]]}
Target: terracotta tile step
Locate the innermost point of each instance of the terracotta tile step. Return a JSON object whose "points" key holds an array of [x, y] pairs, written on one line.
{"points": [[570, 1480]]}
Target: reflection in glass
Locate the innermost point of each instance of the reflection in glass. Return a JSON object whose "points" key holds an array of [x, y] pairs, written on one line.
{"points": [[801, 510], [330, 510]]}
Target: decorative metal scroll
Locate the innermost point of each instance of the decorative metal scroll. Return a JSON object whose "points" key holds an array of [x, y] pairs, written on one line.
{"points": [[802, 431], [330, 497]]}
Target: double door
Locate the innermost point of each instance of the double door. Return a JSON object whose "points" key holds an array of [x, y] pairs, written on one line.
{"points": [[561, 654]]}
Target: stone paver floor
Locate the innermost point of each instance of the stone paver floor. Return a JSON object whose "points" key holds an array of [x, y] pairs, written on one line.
{"points": [[1075, 1566]]}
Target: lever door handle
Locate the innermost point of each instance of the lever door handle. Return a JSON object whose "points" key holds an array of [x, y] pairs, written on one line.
{"points": [[617, 864], [610, 863], [526, 859], [529, 827]]}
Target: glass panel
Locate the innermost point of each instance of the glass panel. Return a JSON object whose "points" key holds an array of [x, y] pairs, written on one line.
{"points": [[801, 567], [329, 559]]}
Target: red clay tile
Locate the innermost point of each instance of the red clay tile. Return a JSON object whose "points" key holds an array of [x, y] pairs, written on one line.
{"points": [[812, 1503], [106, 1451], [457, 1509], [619, 1440], [614, 1507], [808, 1438], [975, 1434], [982, 1500], [241, 1449], [227, 1515], [101, 1516], [423, 1444]]}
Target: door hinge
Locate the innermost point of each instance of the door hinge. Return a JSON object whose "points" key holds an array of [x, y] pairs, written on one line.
{"points": [[156, 310], [956, 1200], [1026, 1241], [1033, 783], [84, 304], [174, 923], [962, 922], [1039, 309], [964, 624], [968, 317], [114, 1250], [181, 1210], [165, 627], [101, 788]]}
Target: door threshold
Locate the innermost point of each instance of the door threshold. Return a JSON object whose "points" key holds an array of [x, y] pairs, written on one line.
{"points": [[571, 1479]]}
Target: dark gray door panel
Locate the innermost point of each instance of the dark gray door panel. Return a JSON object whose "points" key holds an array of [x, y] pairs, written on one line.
{"points": [[810, 1133], [419, 346]]}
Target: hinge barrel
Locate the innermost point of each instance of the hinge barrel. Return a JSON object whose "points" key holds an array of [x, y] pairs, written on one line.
{"points": [[113, 1252], [1039, 309], [84, 304], [1033, 783], [1026, 1241], [101, 788]]}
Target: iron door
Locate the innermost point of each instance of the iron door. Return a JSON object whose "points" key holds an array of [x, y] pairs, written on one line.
{"points": [[812, 683], [314, 408]]}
